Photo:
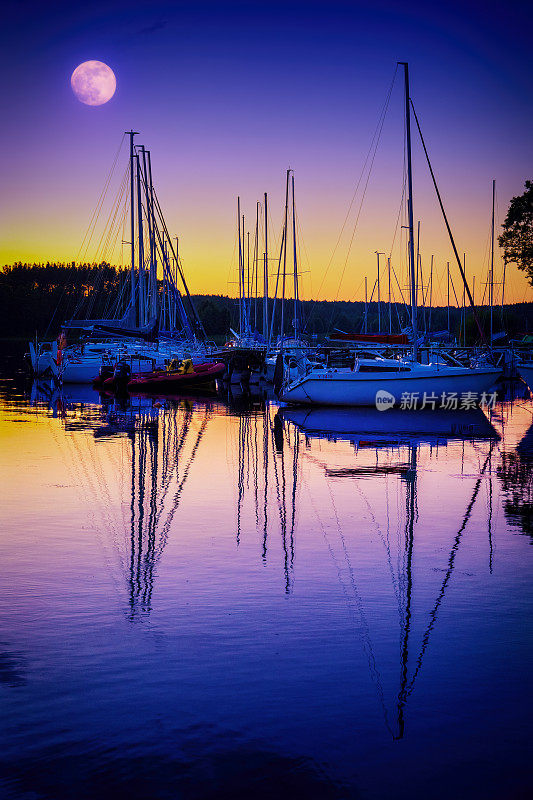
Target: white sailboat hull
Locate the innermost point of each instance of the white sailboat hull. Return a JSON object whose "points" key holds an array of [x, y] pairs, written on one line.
{"points": [[347, 388], [44, 362], [81, 372]]}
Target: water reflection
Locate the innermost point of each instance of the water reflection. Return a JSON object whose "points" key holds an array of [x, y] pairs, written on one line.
{"points": [[11, 668], [360, 484], [400, 434], [515, 472], [368, 425], [225, 774]]}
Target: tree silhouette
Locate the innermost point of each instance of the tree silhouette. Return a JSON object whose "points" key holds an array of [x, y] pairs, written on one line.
{"points": [[517, 237]]}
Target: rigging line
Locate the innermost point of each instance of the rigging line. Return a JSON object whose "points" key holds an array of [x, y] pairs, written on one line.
{"points": [[295, 492], [231, 266], [379, 125], [84, 476], [178, 263], [266, 423], [281, 508], [73, 270], [111, 224], [122, 285], [255, 463], [102, 195], [177, 496], [461, 269], [101, 258], [306, 315], [314, 460], [98, 279], [384, 540], [449, 571], [185, 426], [240, 477], [363, 626], [362, 200], [402, 200], [88, 242], [284, 529], [161, 236], [398, 285]]}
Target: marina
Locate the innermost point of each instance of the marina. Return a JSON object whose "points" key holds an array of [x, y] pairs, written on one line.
{"points": [[266, 401]]}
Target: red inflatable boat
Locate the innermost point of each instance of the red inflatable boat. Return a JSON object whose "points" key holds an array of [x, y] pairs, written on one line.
{"points": [[162, 381]]}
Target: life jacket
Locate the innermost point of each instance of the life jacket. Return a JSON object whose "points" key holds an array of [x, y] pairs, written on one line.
{"points": [[186, 367], [173, 365]]}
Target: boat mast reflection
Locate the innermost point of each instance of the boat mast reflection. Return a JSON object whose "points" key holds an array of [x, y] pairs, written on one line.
{"points": [[158, 478], [163, 441], [263, 471], [364, 428]]}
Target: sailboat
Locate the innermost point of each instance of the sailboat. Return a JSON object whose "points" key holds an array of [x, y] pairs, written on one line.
{"points": [[360, 384], [155, 326], [291, 346]]}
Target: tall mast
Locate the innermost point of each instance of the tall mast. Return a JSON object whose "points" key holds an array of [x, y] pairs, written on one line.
{"points": [[244, 299], [410, 209], [176, 276], [390, 304], [464, 307], [492, 259], [151, 241], [282, 330], [379, 294], [366, 304], [430, 292], [248, 266], [296, 297], [448, 272], [142, 309], [265, 275], [131, 134], [256, 260], [153, 260], [240, 265]]}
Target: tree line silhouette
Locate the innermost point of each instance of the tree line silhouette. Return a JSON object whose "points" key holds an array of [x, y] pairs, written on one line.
{"points": [[38, 298]]}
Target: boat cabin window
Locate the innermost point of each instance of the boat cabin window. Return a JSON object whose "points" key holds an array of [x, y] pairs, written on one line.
{"points": [[378, 368]]}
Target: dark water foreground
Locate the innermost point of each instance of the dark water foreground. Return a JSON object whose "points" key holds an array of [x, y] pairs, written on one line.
{"points": [[213, 599]]}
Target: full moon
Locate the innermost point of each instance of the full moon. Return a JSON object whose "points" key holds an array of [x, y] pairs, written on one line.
{"points": [[93, 83]]}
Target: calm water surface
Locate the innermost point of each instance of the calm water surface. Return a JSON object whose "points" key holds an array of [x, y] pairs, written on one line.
{"points": [[219, 598]]}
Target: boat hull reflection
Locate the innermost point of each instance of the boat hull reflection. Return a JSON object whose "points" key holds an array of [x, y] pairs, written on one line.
{"points": [[361, 423]]}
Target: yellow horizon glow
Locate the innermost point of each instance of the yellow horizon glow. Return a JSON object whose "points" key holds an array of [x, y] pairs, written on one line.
{"points": [[209, 274]]}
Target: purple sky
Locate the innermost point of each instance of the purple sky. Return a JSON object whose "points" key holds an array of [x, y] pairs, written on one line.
{"points": [[228, 95]]}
